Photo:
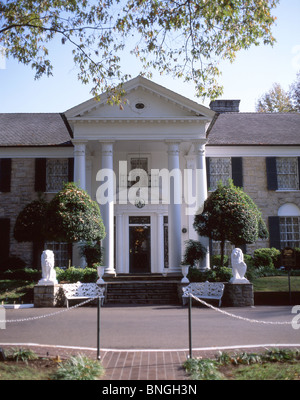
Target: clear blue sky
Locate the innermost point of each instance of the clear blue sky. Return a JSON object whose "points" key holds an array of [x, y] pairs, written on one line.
{"points": [[251, 75]]}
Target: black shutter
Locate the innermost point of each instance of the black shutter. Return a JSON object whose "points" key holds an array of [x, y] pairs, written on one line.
{"points": [[71, 169], [274, 232], [207, 172], [237, 171], [40, 174], [271, 173], [4, 240], [5, 174]]}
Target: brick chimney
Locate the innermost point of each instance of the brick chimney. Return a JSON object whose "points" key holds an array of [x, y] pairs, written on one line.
{"points": [[223, 106]]}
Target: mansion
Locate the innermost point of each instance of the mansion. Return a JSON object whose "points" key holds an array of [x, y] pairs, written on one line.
{"points": [[150, 165]]}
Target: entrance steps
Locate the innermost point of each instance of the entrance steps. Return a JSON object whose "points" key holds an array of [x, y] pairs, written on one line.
{"points": [[142, 289]]}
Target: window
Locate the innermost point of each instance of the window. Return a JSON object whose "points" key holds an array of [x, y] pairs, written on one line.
{"points": [[289, 232], [224, 168], [284, 229], [287, 173], [219, 170], [283, 173], [216, 248], [56, 174], [51, 174], [62, 253]]}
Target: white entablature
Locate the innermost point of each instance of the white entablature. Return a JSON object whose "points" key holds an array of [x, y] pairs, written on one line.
{"points": [[150, 112]]}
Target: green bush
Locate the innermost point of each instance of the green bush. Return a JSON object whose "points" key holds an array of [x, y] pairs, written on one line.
{"points": [[218, 274], [91, 251], [73, 275], [266, 257], [216, 261]]}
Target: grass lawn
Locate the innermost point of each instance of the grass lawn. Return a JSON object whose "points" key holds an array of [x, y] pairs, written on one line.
{"points": [[276, 284], [16, 291]]}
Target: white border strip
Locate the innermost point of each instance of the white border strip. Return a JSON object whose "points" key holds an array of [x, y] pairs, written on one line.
{"points": [[247, 346]]}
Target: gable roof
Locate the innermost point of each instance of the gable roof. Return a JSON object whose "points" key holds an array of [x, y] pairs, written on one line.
{"points": [[146, 85], [254, 129], [34, 129]]}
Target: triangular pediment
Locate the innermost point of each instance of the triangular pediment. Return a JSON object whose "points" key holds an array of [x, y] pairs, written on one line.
{"points": [[144, 100]]}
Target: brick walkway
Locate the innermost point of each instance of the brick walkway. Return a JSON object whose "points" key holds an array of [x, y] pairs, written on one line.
{"points": [[126, 365]]}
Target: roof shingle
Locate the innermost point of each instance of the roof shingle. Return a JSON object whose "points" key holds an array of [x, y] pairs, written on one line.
{"points": [[244, 129], [34, 129]]}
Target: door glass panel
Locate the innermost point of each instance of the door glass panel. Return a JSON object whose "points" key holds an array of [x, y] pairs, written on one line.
{"points": [[139, 249]]}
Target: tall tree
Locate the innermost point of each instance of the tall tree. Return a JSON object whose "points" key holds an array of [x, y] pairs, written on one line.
{"points": [[295, 93], [186, 38], [275, 100], [229, 214]]}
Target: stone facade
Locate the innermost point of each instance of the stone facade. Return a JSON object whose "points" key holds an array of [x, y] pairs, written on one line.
{"points": [[238, 295], [21, 193], [48, 296]]}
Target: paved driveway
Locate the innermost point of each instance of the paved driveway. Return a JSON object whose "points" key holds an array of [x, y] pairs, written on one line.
{"points": [[151, 327]]}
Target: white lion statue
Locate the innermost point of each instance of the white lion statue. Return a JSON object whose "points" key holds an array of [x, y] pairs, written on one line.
{"points": [[48, 271], [239, 267]]}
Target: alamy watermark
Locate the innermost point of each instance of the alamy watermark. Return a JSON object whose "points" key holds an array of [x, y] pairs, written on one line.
{"points": [[296, 319], [2, 318], [139, 188]]}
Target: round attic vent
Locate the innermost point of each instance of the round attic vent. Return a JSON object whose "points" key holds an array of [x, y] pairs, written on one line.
{"points": [[140, 106]]}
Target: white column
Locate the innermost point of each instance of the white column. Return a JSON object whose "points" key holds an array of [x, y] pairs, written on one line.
{"points": [[107, 209], [80, 164], [160, 244], [119, 244], [201, 191], [80, 179], [174, 208]]}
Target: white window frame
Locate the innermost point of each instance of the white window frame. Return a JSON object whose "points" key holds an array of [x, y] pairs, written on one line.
{"points": [[61, 253], [55, 181], [289, 231], [291, 174], [223, 176]]}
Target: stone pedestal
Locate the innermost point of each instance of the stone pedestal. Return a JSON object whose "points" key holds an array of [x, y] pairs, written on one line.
{"points": [[47, 296], [238, 295]]}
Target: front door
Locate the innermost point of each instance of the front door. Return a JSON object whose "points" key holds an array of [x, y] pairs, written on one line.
{"points": [[139, 248]]}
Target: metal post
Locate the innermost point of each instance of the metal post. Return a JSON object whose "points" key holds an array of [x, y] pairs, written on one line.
{"points": [[98, 327], [190, 326]]}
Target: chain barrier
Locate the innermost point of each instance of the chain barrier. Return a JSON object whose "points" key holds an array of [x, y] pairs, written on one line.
{"points": [[51, 314], [195, 298], [238, 316]]}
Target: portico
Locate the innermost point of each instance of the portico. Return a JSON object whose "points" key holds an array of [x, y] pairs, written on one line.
{"points": [[145, 165]]}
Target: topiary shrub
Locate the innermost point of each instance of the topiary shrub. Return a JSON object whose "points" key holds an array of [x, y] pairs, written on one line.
{"points": [[266, 257], [72, 216]]}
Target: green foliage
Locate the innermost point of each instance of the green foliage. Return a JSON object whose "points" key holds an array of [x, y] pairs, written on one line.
{"points": [[185, 39], [23, 355], [275, 100], [29, 223], [203, 369], [209, 368], [194, 252], [73, 216], [266, 257], [216, 260], [73, 275], [92, 253], [229, 214], [219, 274], [79, 368]]}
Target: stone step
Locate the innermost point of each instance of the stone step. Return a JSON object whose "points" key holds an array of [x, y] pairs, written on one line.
{"points": [[146, 292]]}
